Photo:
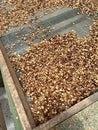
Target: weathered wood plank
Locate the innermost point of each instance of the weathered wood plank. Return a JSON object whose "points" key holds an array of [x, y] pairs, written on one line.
{"points": [[21, 105]]}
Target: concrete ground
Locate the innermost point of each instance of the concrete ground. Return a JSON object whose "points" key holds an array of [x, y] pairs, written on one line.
{"points": [[6, 110], [87, 119]]}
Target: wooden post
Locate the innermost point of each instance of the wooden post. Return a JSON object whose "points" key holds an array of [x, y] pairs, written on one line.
{"points": [[15, 94]]}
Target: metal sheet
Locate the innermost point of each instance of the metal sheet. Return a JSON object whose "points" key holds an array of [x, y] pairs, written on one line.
{"points": [[61, 21]]}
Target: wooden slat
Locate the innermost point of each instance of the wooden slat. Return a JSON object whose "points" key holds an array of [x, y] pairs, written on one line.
{"points": [[2, 122], [21, 105]]}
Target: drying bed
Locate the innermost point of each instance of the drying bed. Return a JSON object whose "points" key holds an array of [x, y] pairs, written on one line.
{"points": [[57, 75], [27, 122]]}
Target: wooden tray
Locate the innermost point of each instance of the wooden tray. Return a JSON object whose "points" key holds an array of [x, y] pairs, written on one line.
{"points": [[23, 111]]}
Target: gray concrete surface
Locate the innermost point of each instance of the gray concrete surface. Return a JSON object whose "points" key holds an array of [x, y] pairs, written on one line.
{"points": [[6, 110], [87, 119]]}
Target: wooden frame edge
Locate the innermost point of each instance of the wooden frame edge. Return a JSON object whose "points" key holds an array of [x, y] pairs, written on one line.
{"points": [[21, 105]]}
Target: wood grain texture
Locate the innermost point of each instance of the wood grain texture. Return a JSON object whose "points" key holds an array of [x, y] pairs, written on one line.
{"points": [[21, 105], [2, 122]]}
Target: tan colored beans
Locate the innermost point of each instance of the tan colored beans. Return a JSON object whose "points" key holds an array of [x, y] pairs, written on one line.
{"points": [[58, 73]]}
